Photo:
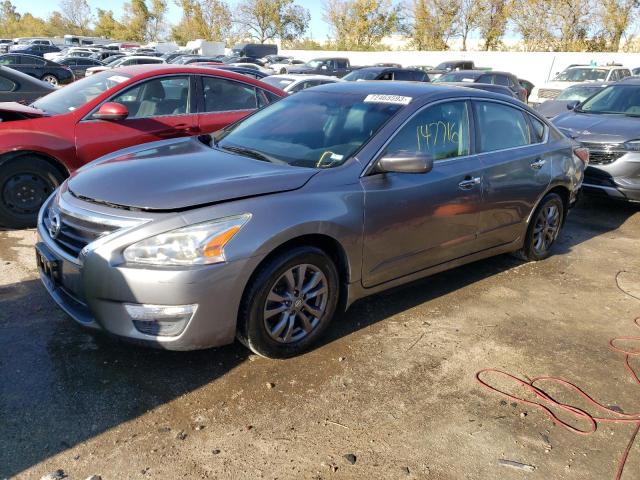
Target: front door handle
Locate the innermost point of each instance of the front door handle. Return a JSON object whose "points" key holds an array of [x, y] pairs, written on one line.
{"points": [[538, 164], [468, 183]]}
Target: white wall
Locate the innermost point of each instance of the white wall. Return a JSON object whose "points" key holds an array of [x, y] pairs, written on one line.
{"points": [[536, 67]]}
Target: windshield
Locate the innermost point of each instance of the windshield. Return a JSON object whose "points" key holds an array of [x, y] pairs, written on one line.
{"points": [[78, 93], [455, 77], [278, 82], [577, 92], [309, 129], [582, 75], [362, 75], [620, 99], [315, 63]]}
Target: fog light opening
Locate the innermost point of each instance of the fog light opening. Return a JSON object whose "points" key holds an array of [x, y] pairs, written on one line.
{"points": [[160, 320]]}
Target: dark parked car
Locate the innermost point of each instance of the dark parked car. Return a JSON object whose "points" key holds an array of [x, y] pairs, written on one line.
{"points": [[324, 197], [5, 44], [387, 73], [331, 66], [569, 96], [38, 67], [527, 85], [197, 59], [34, 49], [608, 124], [506, 79], [79, 65], [487, 87], [42, 144], [19, 87]]}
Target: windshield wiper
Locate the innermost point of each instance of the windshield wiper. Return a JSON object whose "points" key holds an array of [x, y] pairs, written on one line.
{"points": [[249, 153]]}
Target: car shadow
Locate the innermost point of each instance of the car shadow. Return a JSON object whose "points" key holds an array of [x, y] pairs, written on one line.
{"points": [[60, 386]]}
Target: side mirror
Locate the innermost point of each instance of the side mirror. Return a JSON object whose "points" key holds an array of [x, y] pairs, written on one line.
{"points": [[572, 104], [406, 162], [111, 111]]}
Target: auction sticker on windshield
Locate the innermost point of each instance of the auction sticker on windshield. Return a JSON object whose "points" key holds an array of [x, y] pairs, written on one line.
{"points": [[394, 99]]}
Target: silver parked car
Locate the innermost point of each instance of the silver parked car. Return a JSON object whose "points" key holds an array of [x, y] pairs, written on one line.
{"points": [[608, 124], [263, 231]]}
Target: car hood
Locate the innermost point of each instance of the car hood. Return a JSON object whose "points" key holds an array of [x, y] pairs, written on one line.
{"points": [[20, 110], [552, 108], [179, 174], [599, 127]]}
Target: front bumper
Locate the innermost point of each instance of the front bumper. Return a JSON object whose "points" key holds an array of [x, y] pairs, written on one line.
{"points": [[94, 292], [619, 179]]}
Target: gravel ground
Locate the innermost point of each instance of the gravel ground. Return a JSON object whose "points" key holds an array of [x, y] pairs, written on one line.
{"points": [[389, 394]]}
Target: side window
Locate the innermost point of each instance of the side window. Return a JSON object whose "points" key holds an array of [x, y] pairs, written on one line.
{"points": [[501, 80], [341, 64], [162, 96], [537, 130], [440, 130], [614, 76], [222, 95], [501, 127], [9, 60], [485, 79], [402, 75], [6, 85], [386, 76]]}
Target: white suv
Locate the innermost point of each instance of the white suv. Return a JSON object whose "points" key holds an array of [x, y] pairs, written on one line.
{"points": [[574, 75]]}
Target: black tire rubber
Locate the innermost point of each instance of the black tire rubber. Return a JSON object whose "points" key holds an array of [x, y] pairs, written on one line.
{"points": [[25, 165], [527, 252], [251, 330]]}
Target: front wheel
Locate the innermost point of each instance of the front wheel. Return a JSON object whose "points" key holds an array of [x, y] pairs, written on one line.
{"points": [[543, 229], [25, 183], [52, 79], [289, 303]]}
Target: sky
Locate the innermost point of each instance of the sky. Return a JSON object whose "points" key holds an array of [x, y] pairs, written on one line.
{"points": [[42, 8]]}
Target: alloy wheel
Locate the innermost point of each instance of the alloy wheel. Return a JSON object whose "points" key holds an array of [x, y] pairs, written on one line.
{"points": [[51, 79], [546, 228], [296, 303]]}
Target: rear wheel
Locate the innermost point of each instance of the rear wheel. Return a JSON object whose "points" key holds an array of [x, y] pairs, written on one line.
{"points": [[52, 79], [543, 229], [25, 183], [289, 303]]}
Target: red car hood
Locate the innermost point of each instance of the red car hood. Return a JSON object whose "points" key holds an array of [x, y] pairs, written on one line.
{"points": [[27, 112]]}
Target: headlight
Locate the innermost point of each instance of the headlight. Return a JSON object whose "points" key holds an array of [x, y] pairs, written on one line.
{"points": [[632, 146], [199, 244]]}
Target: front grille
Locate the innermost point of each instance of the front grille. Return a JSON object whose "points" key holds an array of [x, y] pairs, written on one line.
{"points": [[549, 93], [74, 233], [603, 154]]}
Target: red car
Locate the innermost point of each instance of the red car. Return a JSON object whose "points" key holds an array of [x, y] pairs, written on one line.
{"points": [[40, 145]]}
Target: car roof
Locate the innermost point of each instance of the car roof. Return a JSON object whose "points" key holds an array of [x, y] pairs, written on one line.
{"points": [[151, 70], [422, 90], [478, 73], [627, 81]]}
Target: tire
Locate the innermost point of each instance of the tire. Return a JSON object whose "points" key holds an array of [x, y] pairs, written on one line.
{"points": [[25, 183], [269, 291], [52, 79], [283, 71], [544, 228]]}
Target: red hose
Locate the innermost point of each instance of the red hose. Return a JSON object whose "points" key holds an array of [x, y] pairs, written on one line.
{"points": [[575, 412]]}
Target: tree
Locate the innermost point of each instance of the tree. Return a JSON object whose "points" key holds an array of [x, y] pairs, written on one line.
{"points": [[156, 26], [206, 19], [77, 15], [615, 17], [361, 24], [9, 19], [107, 26], [135, 20], [493, 22], [531, 20], [265, 20], [469, 15], [431, 23]]}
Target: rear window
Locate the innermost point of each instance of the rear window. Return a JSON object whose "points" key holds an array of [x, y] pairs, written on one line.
{"points": [[501, 127]]}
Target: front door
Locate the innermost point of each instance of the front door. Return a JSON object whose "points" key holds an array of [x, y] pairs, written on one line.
{"points": [[160, 108], [517, 169], [416, 221]]}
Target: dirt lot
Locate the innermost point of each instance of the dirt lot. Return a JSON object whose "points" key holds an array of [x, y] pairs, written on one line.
{"points": [[392, 385]]}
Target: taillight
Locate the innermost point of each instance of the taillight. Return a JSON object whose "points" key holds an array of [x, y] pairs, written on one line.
{"points": [[583, 154]]}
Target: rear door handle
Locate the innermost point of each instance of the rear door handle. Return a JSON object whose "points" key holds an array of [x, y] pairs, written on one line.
{"points": [[468, 183], [538, 164]]}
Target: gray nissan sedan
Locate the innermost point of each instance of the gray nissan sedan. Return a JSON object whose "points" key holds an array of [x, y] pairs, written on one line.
{"points": [[264, 230]]}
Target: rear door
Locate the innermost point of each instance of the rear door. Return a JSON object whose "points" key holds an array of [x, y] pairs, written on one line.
{"points": [[222, 101], [416, 221], [32, 65], [511, 145], [159, 108]]}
